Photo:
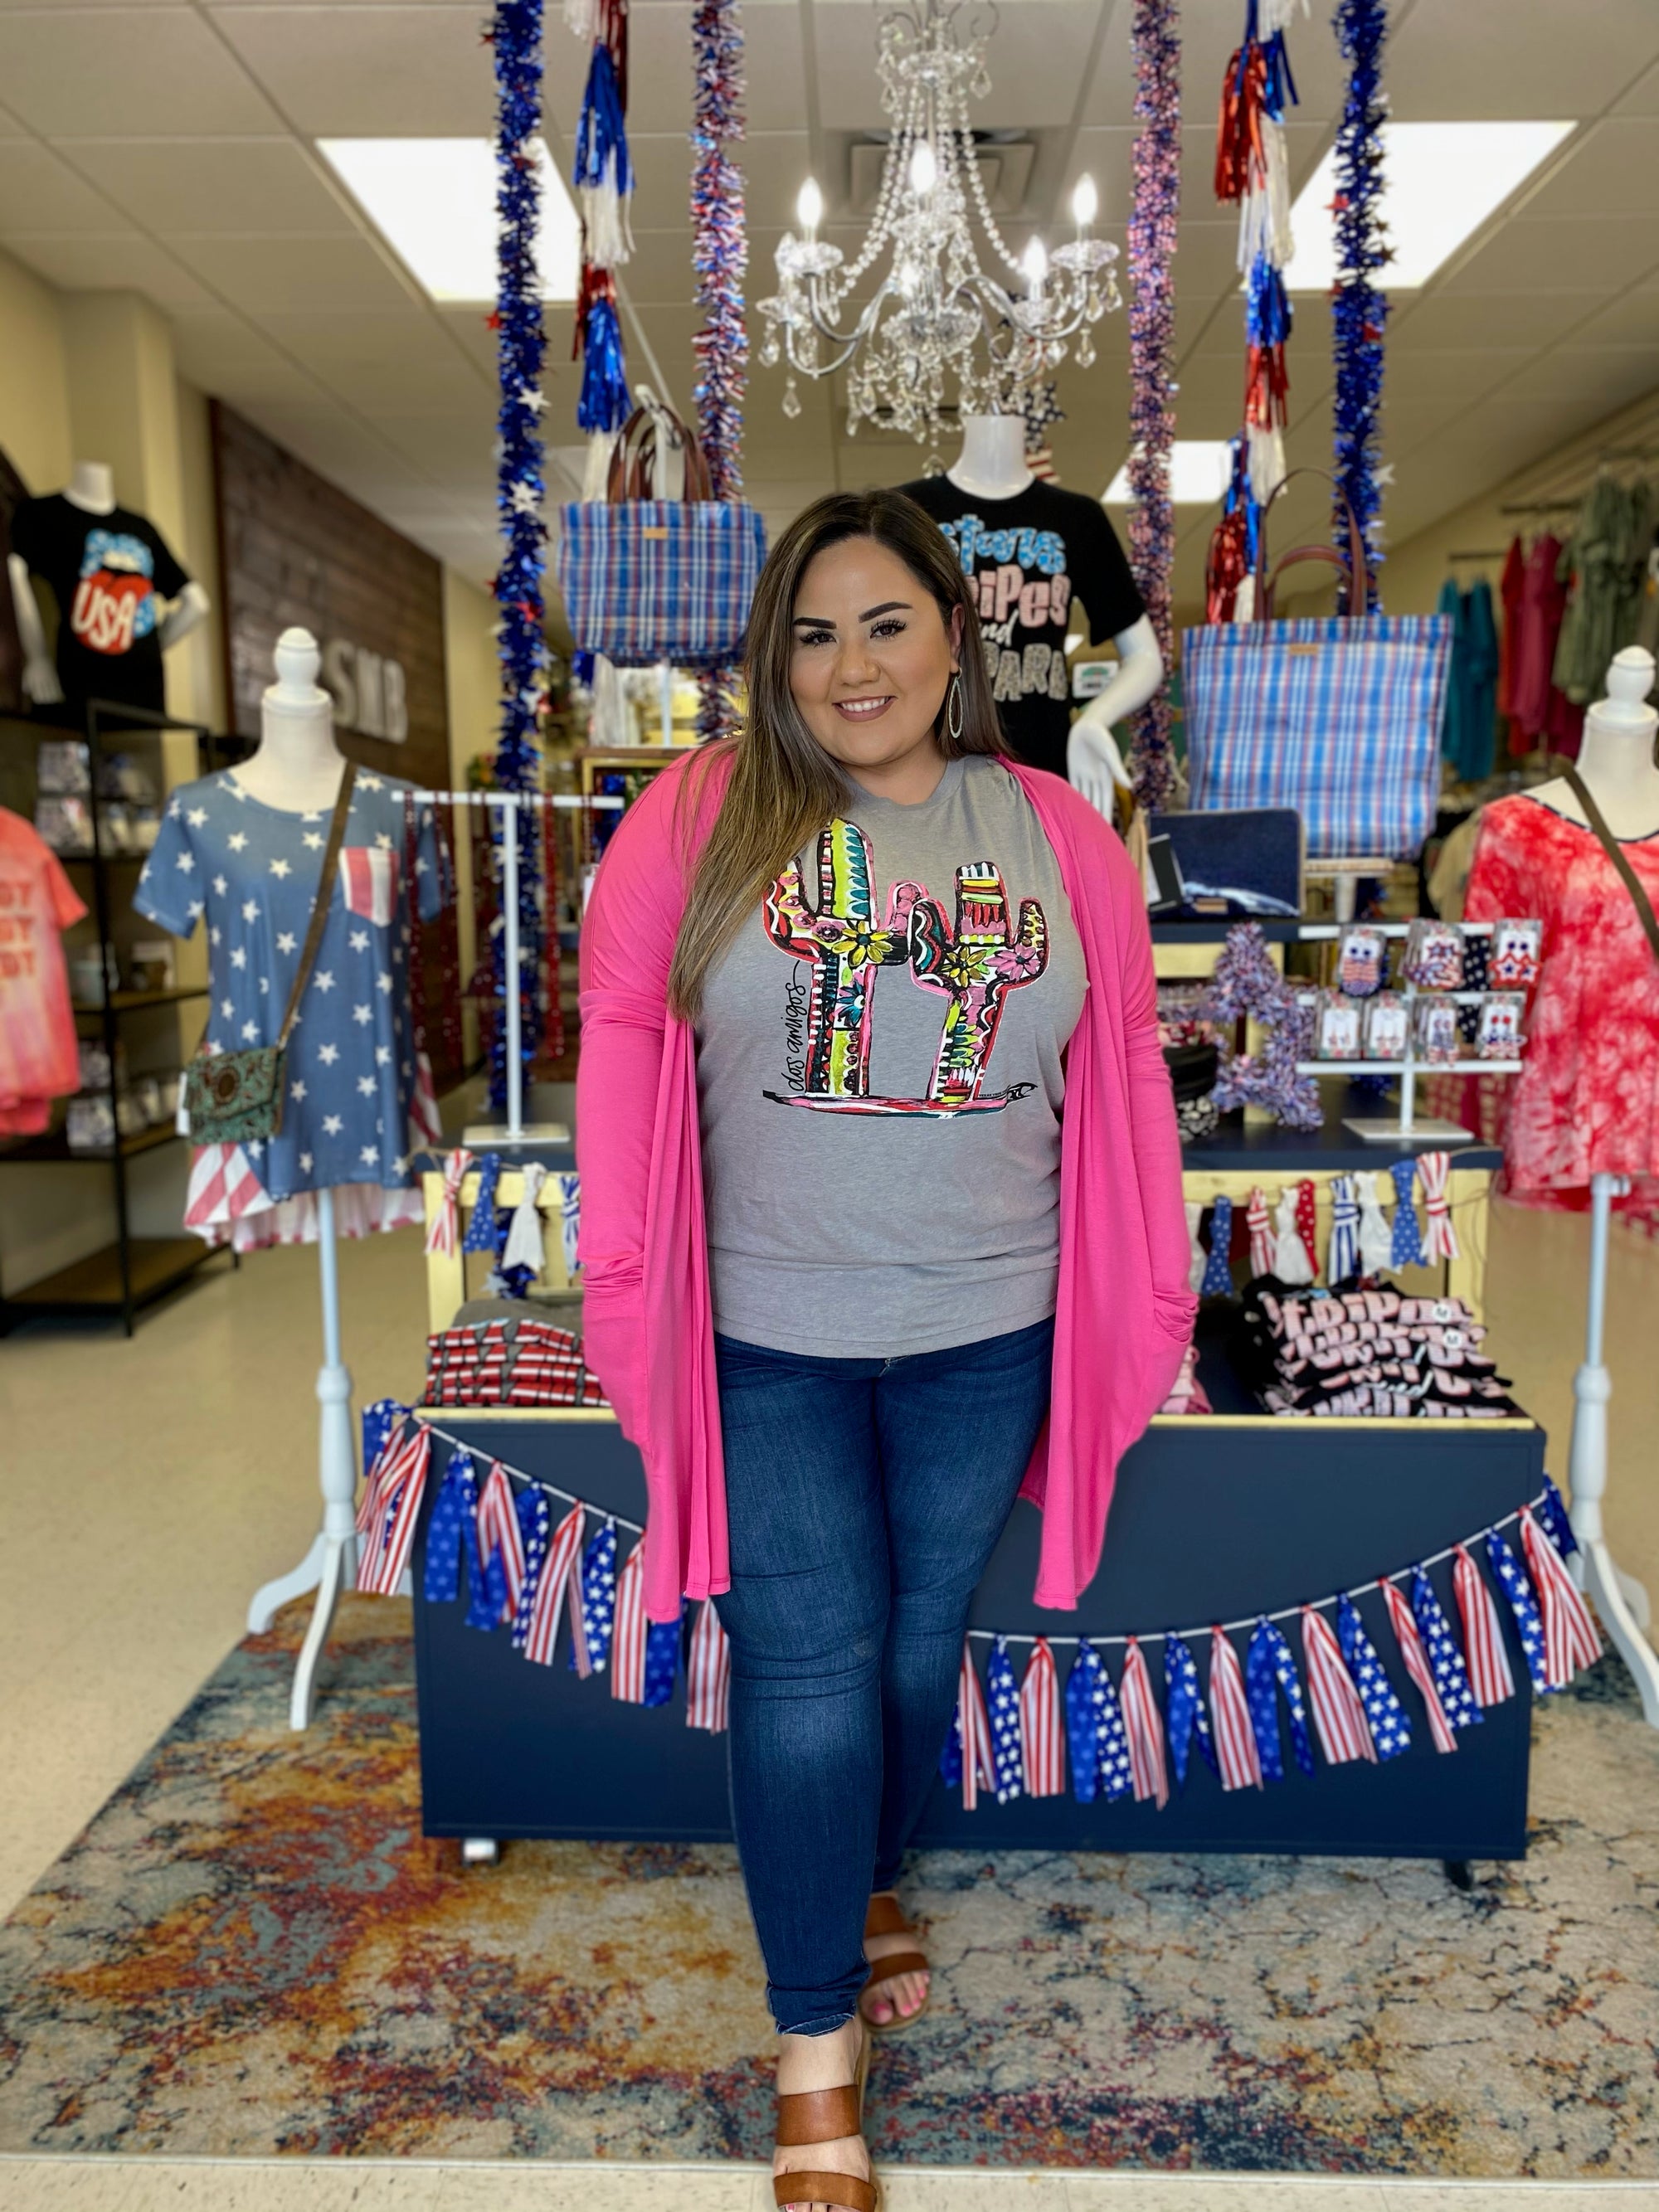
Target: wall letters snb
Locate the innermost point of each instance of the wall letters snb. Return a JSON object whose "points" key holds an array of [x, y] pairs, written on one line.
{"points": [[369, 691]]}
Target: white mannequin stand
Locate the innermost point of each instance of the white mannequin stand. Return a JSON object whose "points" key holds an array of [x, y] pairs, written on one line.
{"points": [[1616, 762], [992, 465], [91, 487], [298, 768]]}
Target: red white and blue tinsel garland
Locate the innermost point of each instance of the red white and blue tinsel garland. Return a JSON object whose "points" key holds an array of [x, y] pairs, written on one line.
{"points": [[516, 37], [1153, 226], [603, 180], [1358, 310], [496, 1543], [1251, 168], [719, 258]]}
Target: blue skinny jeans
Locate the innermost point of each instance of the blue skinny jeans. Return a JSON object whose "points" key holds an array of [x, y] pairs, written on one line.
{"points": [[865, 1497]]}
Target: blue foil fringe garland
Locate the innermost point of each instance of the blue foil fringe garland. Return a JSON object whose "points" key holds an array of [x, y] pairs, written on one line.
{"points": [[1359, 311], [516, 37]]}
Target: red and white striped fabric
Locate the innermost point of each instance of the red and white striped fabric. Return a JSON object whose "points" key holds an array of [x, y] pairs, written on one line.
{"points": [[1344, 1731], [425, 1122], [978, 1768], [393, 1511], [1484, 1655], [443, 1230], [1144, 1727], [1234, 1738], [1406, 1636], [708, 1673], [1570, 1639], [224, 1187], [542, 1633], [1439, 1237], [368, 882], [1263, 1252], [627, 1634], [580, 1658], [498, 1525], [1042, 1733]]}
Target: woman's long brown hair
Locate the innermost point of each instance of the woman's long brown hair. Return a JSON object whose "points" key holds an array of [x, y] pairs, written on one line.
{"points": [[784, 786]]}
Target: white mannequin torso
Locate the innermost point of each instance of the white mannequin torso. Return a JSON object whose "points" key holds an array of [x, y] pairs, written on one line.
{"points": [[1616, 759], [298, 766], [992, 462]]}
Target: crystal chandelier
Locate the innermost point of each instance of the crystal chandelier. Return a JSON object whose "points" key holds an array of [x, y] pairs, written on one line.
{"points": [[936, 315]]}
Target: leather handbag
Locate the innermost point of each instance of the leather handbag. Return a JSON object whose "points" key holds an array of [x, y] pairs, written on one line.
{"points": [[236, 1097], [1338, 716], [659, 570]]}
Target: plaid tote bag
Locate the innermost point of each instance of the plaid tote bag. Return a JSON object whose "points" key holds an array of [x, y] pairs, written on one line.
{"points": [[1338, 716]]}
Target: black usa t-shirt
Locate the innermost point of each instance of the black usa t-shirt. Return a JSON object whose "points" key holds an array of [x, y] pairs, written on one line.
{"points": [[111, 575], [1029, 558]]}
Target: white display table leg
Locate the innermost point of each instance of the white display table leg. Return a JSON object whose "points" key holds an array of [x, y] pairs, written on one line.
{"points": [[1619, 1600], [331, 1566]]}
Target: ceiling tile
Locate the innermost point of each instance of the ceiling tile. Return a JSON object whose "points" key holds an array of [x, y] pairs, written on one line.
{"points": [[296, 276], [1447, 374], [1634, 320], [154, 71], [1643, 97], [221, 353], [116, 261], [1604, 377], [403, 357], [1515, 319], [203, 185], [367, 70], [1449, 63], [1563, 253], [456, 451], [1601, 172], [39, 193]]}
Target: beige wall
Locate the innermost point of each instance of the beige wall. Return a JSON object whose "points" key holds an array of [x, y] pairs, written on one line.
{"points": [[474, 705], [34, 408]]}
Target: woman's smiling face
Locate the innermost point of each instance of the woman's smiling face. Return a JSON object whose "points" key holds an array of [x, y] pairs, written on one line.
{"points": [[872, 657]]}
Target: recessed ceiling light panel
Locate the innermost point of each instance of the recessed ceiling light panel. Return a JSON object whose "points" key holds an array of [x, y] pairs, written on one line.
{"points": [[433, 202], [1198, 474]]}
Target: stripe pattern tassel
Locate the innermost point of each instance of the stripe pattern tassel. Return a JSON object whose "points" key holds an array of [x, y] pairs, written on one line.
{"points": [[1338, 1714], [1488, 1661], [1143, 1730], [973, 1733], [1042, 1735], [1406, 1635], [1236, 1744], [1570, 1639], [708, 1673]]}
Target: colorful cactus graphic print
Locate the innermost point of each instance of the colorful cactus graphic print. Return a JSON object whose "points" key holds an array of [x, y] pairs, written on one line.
{"points": [[972, 963]]}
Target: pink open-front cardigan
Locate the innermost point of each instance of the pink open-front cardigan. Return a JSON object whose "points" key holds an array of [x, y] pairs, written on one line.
{"points": [[1124, 1311]]}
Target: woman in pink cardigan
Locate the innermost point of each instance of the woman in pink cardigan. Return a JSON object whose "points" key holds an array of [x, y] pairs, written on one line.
{"points": [[881, 1228]]}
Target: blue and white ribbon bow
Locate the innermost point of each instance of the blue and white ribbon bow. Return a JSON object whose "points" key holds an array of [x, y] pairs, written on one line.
{"points": [[1217, 1281], [1391, 1731], [1268, 1668], [1407, 1248]]}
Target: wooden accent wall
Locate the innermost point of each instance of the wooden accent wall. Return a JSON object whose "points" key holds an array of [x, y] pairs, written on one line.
{"points": [[294, 550]]}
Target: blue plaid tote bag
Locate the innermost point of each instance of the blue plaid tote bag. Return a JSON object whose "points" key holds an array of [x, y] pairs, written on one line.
{"points": [[1338, 716]]}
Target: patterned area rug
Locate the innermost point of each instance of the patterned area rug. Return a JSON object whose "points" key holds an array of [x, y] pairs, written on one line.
{"points": [[252, 1950]]}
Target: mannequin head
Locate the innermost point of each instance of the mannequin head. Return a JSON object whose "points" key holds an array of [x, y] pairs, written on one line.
{"points": [[1625, 708], [297, 660]]}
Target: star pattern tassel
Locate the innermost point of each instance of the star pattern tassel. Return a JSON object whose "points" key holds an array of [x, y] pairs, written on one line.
{"points": [[1406, 1251], [1269, 1668], [1264, 1251], [1042, 1735], [1552, 1518], [599, 1596], [1440, 1242], [1143, 1728], [450, 1529], [1002, 1696], [1406, 1635], [542, 1600], [1236, 1745], [1217, 1282], [536, 1535], [1488, 1661], [1094, 1727], [1339, 1716], [1570, 1639], [1390, 1730], [481, 1233], [1185, 1716], [1451, 1679], [708, 1673], [1512, 1580]]}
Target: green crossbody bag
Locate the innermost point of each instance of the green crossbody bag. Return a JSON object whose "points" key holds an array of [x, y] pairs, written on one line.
{"points": [[235, 1097]]}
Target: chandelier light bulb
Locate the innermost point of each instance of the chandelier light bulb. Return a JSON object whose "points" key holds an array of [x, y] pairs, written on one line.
{"points": [[1035, 262], [1086, 203], [924, 170], [809, 208]]}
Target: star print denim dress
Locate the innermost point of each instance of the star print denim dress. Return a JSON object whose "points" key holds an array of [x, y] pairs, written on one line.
{"points": [[250, 870]]}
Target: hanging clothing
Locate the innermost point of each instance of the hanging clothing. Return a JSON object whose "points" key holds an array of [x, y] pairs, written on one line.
{"points": [[1586, 1101], [1602, 563], [1466, 727], [1510, 589], [1541, 713], [40, 1060]]}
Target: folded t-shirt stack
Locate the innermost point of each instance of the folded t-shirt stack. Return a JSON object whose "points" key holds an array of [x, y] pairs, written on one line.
{"points": [[508, 1362], [1366, 1353]]}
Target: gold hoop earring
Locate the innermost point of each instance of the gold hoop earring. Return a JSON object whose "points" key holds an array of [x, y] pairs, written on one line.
{"points": [[955, 713]]}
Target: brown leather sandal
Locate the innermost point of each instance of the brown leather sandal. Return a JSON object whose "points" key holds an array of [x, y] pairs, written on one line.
{"points": [[823, 2116], [884, 1918]]}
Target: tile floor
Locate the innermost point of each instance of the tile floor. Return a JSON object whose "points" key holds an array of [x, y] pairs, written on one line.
{"points": [[183, 1466]]}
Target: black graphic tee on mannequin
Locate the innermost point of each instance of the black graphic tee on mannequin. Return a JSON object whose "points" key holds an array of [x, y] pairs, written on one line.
{"points": [[1030, 556], [111, 575]]}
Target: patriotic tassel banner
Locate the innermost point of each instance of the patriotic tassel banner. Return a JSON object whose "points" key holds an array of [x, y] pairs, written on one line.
{"points": [[1403, 1622], [444, 1228], [1407, 1247], [1184, 1714], [1218, 1277], [516, 38], [1002, 1697], [451, 1530], [1252, 171], [536, 1535], [1237, 1751], [378, 1421], [1390, 1730], [1376, 1238], [1570, 1639], [1094, 1729], [1228, 588], [708, 1673], [1434, 1170], [1528, 1622], [1343, 1261], [1359, 311], [973, 1732], [1487, 1660], [1042, 1738], [1143, 1728], [604, 176], [1269, 1668], [543, 1599], [483, 1234], [1264, 1247], [1339, 1716], [1149, 247], [1449, 1675], [500, 1539], [1553, 1518], [390, 1508], [599, 1597], [628, 1644], [719, 261]]}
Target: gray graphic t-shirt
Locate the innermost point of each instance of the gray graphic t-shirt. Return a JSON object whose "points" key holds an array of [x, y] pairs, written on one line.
{"points": [[880, 1072]]}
